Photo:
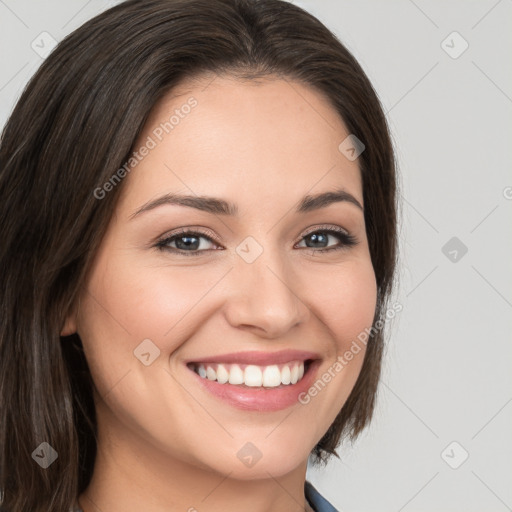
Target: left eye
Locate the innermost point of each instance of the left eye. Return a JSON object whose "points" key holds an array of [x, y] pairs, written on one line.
{"points": [[322, 236]]}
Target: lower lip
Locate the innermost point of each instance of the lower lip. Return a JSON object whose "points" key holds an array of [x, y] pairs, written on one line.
{"points": [[260, 399]]}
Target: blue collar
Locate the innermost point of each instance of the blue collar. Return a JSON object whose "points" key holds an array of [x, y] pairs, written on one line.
{"points": [[316, 500]]}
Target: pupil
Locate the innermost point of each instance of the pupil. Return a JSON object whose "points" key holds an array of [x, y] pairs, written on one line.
{"points": [[316, 239], [187, 244]]}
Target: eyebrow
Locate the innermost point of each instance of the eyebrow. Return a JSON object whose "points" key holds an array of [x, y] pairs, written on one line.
{"points": [[218, 206]]}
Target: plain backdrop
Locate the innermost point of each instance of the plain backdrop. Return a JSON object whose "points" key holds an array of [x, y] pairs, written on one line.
{"points": [[440, 439]]}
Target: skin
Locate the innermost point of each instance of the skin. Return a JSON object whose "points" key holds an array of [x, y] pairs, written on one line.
{"points": [[165, 444]]}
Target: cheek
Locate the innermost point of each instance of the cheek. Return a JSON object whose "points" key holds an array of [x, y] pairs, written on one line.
{"points": [[126, 303], [344, 299], [155, 302]]}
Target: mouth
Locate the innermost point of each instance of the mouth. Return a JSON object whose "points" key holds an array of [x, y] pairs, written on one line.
{"points": [[274, 376], [257, 381]]}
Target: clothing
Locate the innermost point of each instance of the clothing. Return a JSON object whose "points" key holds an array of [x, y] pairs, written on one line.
{"points": [[315, 499]]}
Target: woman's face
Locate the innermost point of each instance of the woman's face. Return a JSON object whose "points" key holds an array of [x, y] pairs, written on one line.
{"points": [[249, 288]]}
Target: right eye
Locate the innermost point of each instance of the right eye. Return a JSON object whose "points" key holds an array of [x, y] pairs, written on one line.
{"points": [[187, 243]]}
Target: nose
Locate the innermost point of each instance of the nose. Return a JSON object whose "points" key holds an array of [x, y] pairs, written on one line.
{"points": [[265, 297]]}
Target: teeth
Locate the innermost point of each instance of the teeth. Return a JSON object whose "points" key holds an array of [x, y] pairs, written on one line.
{"points": [[286, 375], [251, 375], [271, 376], [222, 374], [236, 375], [295, 374]]}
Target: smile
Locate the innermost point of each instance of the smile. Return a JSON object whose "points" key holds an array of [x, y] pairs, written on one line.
{"points": [[250, 375], [255, 380]]}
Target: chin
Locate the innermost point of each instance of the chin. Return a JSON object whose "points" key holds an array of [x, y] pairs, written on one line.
{"points": [[248, 462]]}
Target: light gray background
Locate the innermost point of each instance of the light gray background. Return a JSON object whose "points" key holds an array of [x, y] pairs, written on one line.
{"points": [[447, 374]]}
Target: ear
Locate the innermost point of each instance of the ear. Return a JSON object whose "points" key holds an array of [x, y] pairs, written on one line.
{"points": [[70, 323]]}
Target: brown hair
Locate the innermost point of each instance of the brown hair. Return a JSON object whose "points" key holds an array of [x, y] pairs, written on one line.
{"points": [[73, 127]]}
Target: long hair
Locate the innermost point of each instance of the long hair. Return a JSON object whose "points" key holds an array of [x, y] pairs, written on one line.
{"points": [[73, 127]]}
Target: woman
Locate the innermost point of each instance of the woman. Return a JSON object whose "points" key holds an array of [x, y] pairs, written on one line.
{"points": [[198, 227]]}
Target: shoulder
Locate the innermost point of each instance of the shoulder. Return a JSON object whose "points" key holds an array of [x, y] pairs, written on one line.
{"points": [[317, 501]]}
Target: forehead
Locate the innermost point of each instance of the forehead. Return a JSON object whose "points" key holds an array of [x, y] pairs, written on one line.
{"points": [[246, 140]]}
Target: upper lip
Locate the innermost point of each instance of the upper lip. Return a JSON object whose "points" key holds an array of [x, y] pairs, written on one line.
{"points": [[258, 357]]}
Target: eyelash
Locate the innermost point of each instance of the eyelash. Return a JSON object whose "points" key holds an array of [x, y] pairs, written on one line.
{"points": [[347, 240]]}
